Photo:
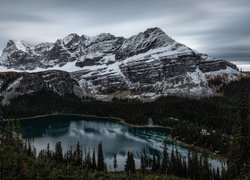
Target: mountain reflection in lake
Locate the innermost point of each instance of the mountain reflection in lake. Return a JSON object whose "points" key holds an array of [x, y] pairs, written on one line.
{"points": [[115, 136]]}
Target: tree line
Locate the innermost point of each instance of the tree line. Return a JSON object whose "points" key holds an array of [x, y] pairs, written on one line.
{"points": [[186, 116], [19, 159], [225, 123]]}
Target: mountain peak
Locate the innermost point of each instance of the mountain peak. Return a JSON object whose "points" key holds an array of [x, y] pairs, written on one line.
{"points": [[154, 30], [150, 61], [70, 37], [152, 38], [13, 45], [105, 37]]}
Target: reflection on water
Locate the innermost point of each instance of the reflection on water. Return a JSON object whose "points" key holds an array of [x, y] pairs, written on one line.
{"points": [[115, 137]]}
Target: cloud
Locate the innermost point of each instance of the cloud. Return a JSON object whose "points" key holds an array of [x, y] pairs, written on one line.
{"points": [[217, 27]]}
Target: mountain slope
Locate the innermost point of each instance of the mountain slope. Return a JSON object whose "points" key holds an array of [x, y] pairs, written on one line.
{"points": [[147, 65], [16, 84]]}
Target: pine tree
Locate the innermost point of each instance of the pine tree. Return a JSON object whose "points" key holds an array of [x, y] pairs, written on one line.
{"points": [[88, 160], [190, 164], [132, 163], [127, 166], [145, 158], [29, 150], [115, 162], [224, 174], [205, 167], [78, 155], [143, 167], [172, 163], [48, 152], [164, 165], [239, 159], [195, 165], [93, 160], [178, 163], [58, 152], [70, 158], [154, 164], [184, 169], [158, 164], [100, 160]]}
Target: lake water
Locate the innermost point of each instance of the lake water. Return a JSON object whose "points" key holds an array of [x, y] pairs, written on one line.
{"points": [[116, 137]]}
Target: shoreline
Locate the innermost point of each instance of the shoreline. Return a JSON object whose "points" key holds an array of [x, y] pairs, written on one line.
{"points": [[199, 149], [123, 121], [120, 120]]}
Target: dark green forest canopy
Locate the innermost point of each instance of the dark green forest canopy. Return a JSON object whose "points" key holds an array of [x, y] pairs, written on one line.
{"points": [[187, 116], [19, 160]]}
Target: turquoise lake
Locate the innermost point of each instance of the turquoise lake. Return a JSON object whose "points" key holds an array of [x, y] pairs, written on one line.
{"points": [[115, 136]]}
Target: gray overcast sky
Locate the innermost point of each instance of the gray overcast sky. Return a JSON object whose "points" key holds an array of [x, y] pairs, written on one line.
{"points": [[219, 28]]}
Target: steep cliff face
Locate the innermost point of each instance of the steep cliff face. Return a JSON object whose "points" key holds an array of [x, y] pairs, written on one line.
{"points": [[147, 65], [13, 85]]}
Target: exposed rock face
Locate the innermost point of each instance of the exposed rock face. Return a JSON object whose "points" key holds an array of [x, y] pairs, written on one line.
{"points": [[149, 64], [150, 39], [59, 82]]}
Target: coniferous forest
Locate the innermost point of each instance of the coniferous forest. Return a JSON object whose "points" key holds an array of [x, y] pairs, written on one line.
{"points": [[20, 159], [225, 120]]}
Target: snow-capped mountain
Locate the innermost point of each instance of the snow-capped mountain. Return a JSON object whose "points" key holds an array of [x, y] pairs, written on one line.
{"points": [[147, 65]]}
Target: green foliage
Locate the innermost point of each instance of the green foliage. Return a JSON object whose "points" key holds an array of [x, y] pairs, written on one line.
{"points": [[19, 161], [93, 161], [187, 116], [58, 156], [239, 159], [130, 164], [115, 162], [165, 160], [100, 160]]}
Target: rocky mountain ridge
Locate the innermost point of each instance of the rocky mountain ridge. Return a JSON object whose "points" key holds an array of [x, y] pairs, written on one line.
{"points": [[16, 84], [146, 66]]}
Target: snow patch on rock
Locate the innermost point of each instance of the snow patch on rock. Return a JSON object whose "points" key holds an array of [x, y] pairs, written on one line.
{"points": [[10, 92]]}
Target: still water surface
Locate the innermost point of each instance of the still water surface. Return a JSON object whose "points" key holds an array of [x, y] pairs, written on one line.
{"points": [[115, 136]]}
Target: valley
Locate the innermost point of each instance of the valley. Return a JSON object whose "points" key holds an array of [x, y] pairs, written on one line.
{"points": [[177, 106]]}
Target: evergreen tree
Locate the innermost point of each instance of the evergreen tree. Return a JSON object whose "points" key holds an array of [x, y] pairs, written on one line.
{"points": [[189, 162], [224, 174], [239, 159], [158, 164], [145, 158], [143, 167], [165, 159], [88, 160], [172, 164], [127, 166], [78, 155], [69, 155], [154, 164], [93, 160], [195, 165], [184, 169], [132, 163], [29, 150], [100, 160], [115, 162], [205, 167], [48, 152], [58, 152]]}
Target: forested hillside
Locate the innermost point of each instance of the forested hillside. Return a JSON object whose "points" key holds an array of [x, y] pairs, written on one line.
{"points": [[190, 118]]}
